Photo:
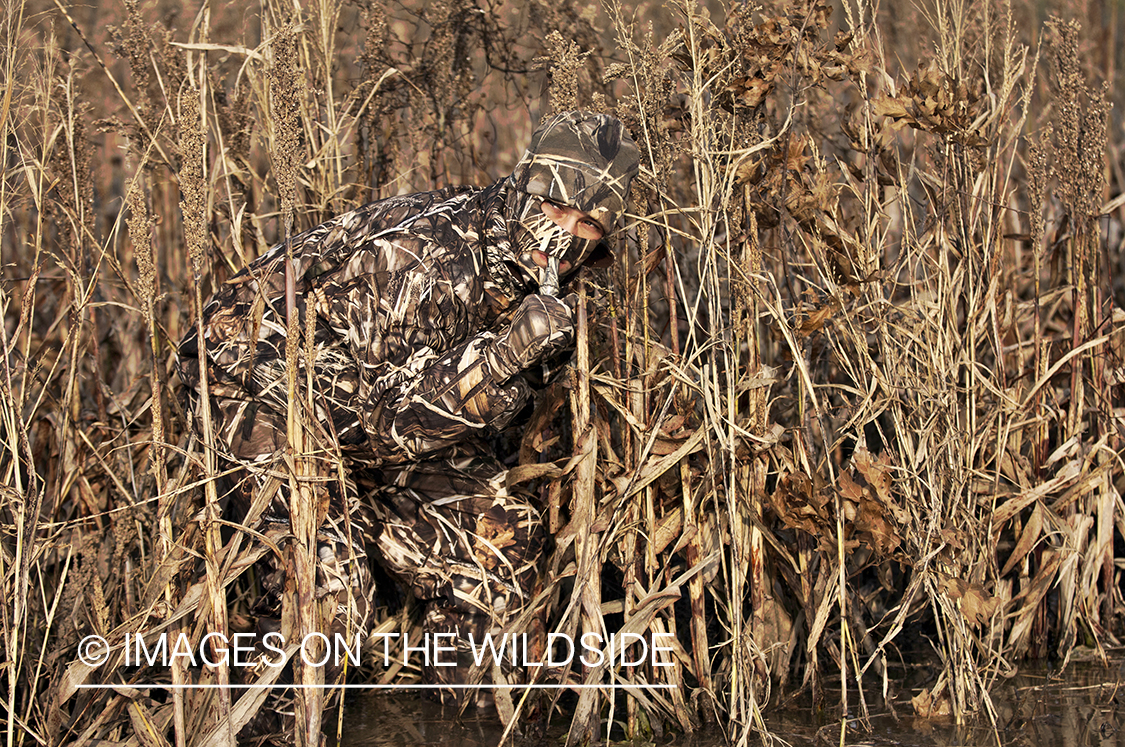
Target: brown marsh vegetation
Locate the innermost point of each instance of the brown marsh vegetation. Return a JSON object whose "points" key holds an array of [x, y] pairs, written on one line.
{"points": [[851, 391]]}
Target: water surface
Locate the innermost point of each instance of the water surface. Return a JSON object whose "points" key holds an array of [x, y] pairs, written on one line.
{"points": [[1083, 706]]}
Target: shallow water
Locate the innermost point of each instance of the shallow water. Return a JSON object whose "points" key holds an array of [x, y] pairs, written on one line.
{"points": [[1037, 708]]}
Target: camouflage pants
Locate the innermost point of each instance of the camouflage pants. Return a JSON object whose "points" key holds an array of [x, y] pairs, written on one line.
{"points": [[449, 529], [461, 541]]}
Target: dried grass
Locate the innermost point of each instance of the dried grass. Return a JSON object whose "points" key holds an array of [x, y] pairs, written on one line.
{"points": [[850, 394]]}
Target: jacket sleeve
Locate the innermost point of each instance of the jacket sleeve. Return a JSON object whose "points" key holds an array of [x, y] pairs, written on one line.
{"points": [[409, 309], [457, 396]]}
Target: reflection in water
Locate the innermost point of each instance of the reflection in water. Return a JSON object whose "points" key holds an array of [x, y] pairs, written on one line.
{"points": [[406, 719], [1082, 708]]}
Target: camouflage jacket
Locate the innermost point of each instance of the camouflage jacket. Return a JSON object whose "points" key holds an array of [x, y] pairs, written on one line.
{"points": [[406, 292]]}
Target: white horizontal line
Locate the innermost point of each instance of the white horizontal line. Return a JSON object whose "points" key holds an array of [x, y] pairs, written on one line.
{"points": [[170, 686]]}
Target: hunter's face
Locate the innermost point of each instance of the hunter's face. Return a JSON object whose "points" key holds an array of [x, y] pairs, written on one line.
{"points": [[545, 230], [576, 223]]}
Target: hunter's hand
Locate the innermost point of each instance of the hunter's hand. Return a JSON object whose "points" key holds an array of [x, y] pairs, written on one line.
{"points": [[541, 326]]}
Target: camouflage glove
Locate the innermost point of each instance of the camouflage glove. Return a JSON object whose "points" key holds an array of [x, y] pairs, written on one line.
{"points": [[541, 326]]}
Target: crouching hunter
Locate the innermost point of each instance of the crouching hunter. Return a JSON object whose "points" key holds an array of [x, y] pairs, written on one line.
{"points": [[429, 310]]}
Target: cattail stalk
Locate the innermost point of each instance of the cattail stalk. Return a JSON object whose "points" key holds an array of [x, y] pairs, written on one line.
{"points": [[140, 231], [583, 512], [299, 610], [193, 203]]}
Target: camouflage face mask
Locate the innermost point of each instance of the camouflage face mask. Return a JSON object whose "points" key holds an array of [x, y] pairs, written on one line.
{"points": [[578, 159], [534, 232]]}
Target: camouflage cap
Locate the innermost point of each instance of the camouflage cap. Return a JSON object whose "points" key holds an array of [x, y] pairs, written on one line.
{"points": [[583, 160]]}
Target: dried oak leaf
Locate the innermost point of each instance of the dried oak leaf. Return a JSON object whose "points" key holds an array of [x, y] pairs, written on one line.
{"points": [[934, 704], [977, 605], [876, 516], [814, 317], [800, 505], [890, 106]]}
